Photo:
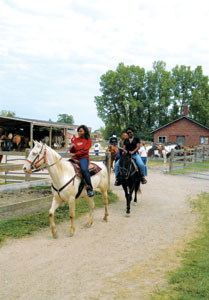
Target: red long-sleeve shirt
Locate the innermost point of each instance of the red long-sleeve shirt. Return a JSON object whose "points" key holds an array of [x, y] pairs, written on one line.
{"points": [[81, 148]]}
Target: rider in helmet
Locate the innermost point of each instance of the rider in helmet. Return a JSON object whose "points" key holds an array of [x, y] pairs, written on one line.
{"points": [[113, 140]]}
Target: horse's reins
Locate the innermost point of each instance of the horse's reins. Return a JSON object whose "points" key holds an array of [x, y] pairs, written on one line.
{"points": [[34, 164], [129, 171], [37, 169]]}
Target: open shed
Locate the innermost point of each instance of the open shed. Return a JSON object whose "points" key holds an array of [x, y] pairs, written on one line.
{"points": [[32, 128]]}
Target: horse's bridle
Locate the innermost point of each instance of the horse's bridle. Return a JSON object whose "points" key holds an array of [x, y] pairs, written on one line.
{"points": [[129, 169], [34, 162]]}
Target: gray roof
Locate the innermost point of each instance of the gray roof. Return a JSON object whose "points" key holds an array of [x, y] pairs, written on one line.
{"points": [[13, 121], [182, 117]]}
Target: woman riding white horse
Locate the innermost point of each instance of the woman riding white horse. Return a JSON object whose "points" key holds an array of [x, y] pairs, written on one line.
{"points": [[65, 182]]}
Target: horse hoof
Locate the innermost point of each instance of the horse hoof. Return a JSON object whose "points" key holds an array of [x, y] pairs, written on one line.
{"points": [[55, 236], [128, 214], [134, 203], [88, 225]]}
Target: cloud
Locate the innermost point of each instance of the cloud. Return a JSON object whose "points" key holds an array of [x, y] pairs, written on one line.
{"points": [[54, 52]]}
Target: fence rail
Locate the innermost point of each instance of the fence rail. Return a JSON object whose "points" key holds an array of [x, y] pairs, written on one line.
{"points": [[12, 176], [192, 163]]}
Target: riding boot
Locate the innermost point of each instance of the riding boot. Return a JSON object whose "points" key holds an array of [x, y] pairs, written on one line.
{"points": [[143, 180]]}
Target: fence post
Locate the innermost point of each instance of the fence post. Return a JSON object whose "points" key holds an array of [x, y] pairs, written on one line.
{"points": [[27, 176], [203, 153], [184, 157], [107, 160], [5, 173], [195, 155], [171, 161]]}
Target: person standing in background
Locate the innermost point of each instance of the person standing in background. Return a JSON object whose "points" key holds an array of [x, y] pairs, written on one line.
{"points": [[143, 154]]}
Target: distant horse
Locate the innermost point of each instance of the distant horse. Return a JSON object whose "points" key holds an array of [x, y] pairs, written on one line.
{"points": [[45, 140], [66, 182], [129, 177], [151, 151], [113, 149], [17, 142], [25, 141]]}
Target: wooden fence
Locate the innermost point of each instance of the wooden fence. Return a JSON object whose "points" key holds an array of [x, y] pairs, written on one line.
{"points": [[32, 205], [13, 171], [193, 163]]}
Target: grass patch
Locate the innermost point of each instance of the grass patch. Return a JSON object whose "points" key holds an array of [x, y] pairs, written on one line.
{"points": [[154, 163], [26, 225], [191, 280]]}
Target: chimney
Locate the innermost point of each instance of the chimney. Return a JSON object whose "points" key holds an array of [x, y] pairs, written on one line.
{"points": [[186, 110]]}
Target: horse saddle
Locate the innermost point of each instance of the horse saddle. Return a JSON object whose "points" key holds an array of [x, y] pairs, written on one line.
{"points": [[93, 168]]}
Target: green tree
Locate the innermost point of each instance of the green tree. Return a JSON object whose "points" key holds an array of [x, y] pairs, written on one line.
{"points": [[7, 113], [121, 101], [65, 118], [147, 100], [182, 78], [199, 102], [163, 94]]}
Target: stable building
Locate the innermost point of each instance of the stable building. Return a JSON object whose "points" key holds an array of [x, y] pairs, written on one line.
{"points": [[182, 131], [35, 129]]}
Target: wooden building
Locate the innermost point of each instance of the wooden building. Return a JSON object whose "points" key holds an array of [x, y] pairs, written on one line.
{"points": [[183, 131], [34, 129]]}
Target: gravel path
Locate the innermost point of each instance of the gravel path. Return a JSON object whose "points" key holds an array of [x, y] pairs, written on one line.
{"points": [[125, 258]]}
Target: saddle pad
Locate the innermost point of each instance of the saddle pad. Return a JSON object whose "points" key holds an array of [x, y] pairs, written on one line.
{"points": [[93, 168]]}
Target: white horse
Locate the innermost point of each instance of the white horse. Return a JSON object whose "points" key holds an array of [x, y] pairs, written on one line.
{"points": [[66, 182]]}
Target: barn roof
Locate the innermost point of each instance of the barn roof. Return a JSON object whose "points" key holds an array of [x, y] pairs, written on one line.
{"points": [[183, 117], [23, 122]]}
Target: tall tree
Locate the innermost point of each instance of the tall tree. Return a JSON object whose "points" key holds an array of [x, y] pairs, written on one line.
{"points": [[65, 118], [199, 102], [121, 101], [7, 113], [182, 79]]}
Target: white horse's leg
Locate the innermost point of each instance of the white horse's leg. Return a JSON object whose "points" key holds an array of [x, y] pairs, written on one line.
{"points": [[72, 215], [54, 206], [105, 199], [91, 211]]}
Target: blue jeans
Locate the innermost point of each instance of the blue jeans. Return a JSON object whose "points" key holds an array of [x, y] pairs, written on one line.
{"points": [[138, 161], [84, 163], [144, 159]]}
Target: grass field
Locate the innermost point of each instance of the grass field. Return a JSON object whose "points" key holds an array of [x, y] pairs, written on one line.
{"points": [[191, 280], [21, 226]]}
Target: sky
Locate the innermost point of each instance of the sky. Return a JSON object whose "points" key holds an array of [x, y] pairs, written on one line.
{"points": [[53, 52]]}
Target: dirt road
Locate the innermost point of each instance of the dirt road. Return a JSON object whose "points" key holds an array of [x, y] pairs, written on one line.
{"points": [[125, 258]]}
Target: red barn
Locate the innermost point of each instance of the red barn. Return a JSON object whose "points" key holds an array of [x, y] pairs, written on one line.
{"points": [[183, 131]]}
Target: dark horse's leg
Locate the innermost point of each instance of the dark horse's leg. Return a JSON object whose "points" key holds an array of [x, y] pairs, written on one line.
{"points": [[127, 195], [137, 185]]}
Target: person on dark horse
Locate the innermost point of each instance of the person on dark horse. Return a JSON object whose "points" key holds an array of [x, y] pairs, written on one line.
{"points": [[131, 146]]}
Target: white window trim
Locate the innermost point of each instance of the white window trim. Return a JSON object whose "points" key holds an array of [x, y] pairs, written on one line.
{"points": [[162, 136]]}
